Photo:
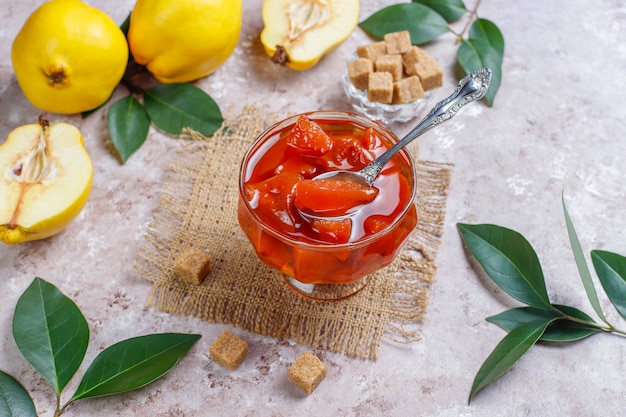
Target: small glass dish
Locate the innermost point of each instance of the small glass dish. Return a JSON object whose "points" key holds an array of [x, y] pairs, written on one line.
{"points": [[384, 113]]}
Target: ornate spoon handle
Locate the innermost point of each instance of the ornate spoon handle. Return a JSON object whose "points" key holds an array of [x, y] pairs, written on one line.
{"points": [[472, 87]]}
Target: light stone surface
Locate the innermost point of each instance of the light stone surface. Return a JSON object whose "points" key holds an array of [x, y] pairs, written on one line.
{"points": [[557, 126]]}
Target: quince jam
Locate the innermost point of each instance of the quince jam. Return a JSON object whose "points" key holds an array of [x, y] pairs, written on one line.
{"points": [[276, 182]]}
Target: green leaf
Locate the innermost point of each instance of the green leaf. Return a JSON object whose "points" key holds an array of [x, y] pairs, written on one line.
{"points": [[486, 30], [515, 317], [423, 23], [507, 352], [611, 269], [128, 126], [509, 260], [133, 363], [561, 330], [451, 10], [51, 332], [14, 400], [484, 49], [173, 107], [476, 54], [583, 270], [566, 330]]}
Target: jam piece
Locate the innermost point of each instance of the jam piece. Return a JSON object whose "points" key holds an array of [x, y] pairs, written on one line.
{"points": [[347, 153], [274, 199], [332, 197], [333, 231], [298, 166], [375, 224], [370, 139], [310, 136]]}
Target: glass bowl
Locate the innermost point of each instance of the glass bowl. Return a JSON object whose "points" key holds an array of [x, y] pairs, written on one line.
{"points": [[312, 266], [384, 113]]}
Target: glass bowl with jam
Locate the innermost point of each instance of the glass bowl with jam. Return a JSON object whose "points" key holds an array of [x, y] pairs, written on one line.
{"points": [[325, 258]]}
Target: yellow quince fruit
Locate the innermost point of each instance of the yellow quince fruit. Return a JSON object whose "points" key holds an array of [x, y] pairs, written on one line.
{"points": [[298, 33], [180, 41], [45, 180], [69, 57]]}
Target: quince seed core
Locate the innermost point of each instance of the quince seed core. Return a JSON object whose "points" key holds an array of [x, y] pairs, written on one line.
{"points": [[35, 166], [306, 15]]}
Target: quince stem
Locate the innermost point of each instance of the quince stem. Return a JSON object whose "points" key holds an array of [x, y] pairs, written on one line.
{"points": [[137, 78], [280, 56]]}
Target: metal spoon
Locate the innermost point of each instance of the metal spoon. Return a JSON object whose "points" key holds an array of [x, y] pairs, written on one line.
{"points": [[472, 87]]}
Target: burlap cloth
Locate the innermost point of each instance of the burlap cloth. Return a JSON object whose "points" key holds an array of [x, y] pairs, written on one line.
{"points": [[198, 209]]}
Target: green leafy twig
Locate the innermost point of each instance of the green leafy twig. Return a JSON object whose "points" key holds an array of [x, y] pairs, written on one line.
{"points": [[52, 334], [481, 44], [510, 261], [171, 107]]}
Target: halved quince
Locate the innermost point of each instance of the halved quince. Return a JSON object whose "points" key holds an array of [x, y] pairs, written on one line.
{"points": [[298, 33], [45, 180]]}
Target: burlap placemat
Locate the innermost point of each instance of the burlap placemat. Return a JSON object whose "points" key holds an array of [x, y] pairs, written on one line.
{"points": [[198, 209]]}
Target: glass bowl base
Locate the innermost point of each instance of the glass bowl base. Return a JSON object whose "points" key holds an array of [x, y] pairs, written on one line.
{"points": [[325, 292]]}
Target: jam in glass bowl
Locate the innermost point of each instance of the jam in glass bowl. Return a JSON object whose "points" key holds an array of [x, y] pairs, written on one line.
{"points": [[326, 258]]}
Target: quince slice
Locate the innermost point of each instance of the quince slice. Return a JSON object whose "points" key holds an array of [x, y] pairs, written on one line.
{"points": [[45, 180], [298, 33]]}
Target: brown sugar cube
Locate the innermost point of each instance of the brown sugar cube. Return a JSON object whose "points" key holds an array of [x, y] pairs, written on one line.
{"points": [[372, 50], [228, 350], [380, 87], [359, 71], [193, 266], [411, 58], [430, 74], [391, 64], [398, 42], [307, 372], [407, 90], [428, 69]]}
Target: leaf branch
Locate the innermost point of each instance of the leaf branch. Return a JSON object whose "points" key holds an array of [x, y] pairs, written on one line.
{"points": [[41, 321], [510, 261]]}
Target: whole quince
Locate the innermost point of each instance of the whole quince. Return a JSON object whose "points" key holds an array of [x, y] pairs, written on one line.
{"points": [[69, 57], [45, 180], [183, 40], [298, 33]]}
